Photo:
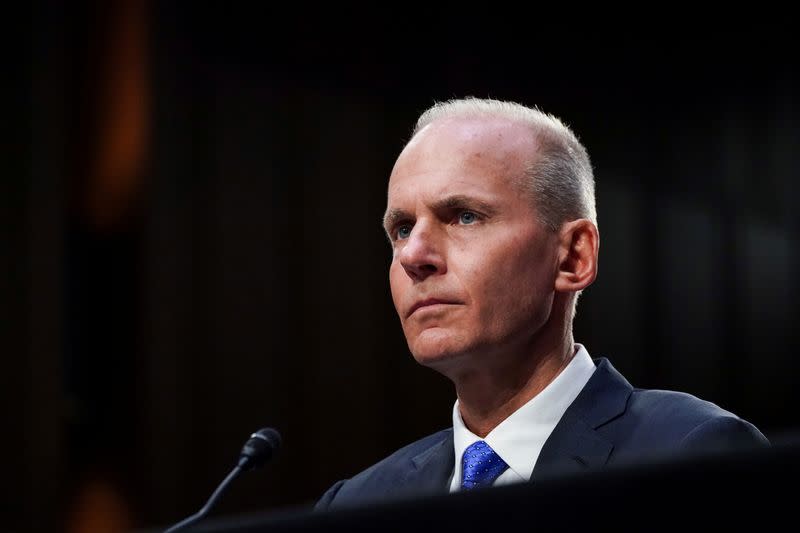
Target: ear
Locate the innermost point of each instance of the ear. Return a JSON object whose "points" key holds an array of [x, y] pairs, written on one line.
{"points": [[579, 245]]}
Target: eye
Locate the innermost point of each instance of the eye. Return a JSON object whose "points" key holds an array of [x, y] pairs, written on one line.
{"points": [[467, 217], [404, 231]]}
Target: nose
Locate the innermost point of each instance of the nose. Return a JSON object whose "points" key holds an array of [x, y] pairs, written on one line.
{"points": [[421, 255]]}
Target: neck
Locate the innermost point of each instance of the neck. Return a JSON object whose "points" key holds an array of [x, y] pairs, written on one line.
{"points": [[490, 393]]}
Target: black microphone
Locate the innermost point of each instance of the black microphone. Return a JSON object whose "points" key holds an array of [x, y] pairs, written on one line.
{"points": [[256, 451]]}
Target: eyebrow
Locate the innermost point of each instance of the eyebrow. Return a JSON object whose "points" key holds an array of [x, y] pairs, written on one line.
{"points": [[455, 201], [392, 216]]}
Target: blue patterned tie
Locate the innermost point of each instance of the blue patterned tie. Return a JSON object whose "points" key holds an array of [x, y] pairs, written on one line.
{"points": [[480, 466]]}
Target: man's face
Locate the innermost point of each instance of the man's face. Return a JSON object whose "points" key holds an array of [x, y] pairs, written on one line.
{"points": [[473, 270]]}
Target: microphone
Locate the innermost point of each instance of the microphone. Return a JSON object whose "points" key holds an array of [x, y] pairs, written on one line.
{"points": [[258, 449]]}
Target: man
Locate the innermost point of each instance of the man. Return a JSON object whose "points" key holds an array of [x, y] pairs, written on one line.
{"points": [[492, 221]]}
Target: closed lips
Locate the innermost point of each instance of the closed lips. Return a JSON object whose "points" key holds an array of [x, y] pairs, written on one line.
{"points": [[427, 302]]}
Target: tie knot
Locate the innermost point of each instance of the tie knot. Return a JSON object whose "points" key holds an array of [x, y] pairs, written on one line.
{"points": [[480, 466]]}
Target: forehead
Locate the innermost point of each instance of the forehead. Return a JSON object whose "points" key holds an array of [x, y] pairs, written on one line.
{"points": [[457, 154]]}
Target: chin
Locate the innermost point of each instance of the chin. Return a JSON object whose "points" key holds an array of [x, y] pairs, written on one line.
{"points": [[438, 349], [435, 359]]}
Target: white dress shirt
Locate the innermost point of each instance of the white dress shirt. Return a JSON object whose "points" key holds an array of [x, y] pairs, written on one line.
{"points": [[519, 439]]}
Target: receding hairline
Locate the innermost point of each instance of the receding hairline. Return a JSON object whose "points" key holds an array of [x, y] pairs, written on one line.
{"points": [[560, 176], [478, 108], [507, 134]]}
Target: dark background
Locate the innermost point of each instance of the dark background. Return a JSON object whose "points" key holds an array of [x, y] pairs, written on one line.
{"points": [[192, 250]]}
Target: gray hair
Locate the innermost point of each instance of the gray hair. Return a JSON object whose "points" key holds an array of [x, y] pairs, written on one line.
{"points": [[560, 180]]}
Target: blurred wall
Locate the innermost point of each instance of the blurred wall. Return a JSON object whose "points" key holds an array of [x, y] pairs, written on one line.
{"points": [[195, 250]]}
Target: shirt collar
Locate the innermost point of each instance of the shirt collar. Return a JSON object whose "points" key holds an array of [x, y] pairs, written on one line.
{"points": [[519, 438]]}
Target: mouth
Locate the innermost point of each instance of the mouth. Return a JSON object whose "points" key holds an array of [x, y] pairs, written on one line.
{"points": [[427, 303]]}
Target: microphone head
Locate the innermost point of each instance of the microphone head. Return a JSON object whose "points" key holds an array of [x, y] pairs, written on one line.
{"points": [[259, 448]]}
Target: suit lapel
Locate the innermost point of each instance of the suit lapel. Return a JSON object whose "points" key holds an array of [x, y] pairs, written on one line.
{"points": [[432, 468], [575, 444]]}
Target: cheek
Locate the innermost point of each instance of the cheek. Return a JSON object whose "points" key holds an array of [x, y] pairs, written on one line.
{"points": [[515, 286], [397, 283]]}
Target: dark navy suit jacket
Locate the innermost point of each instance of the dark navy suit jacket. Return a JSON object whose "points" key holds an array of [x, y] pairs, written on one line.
{"points": [[609, 423]]}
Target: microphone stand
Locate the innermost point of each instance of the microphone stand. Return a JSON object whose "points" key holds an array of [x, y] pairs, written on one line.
{"points": [[256, 451], [211, 501]]}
